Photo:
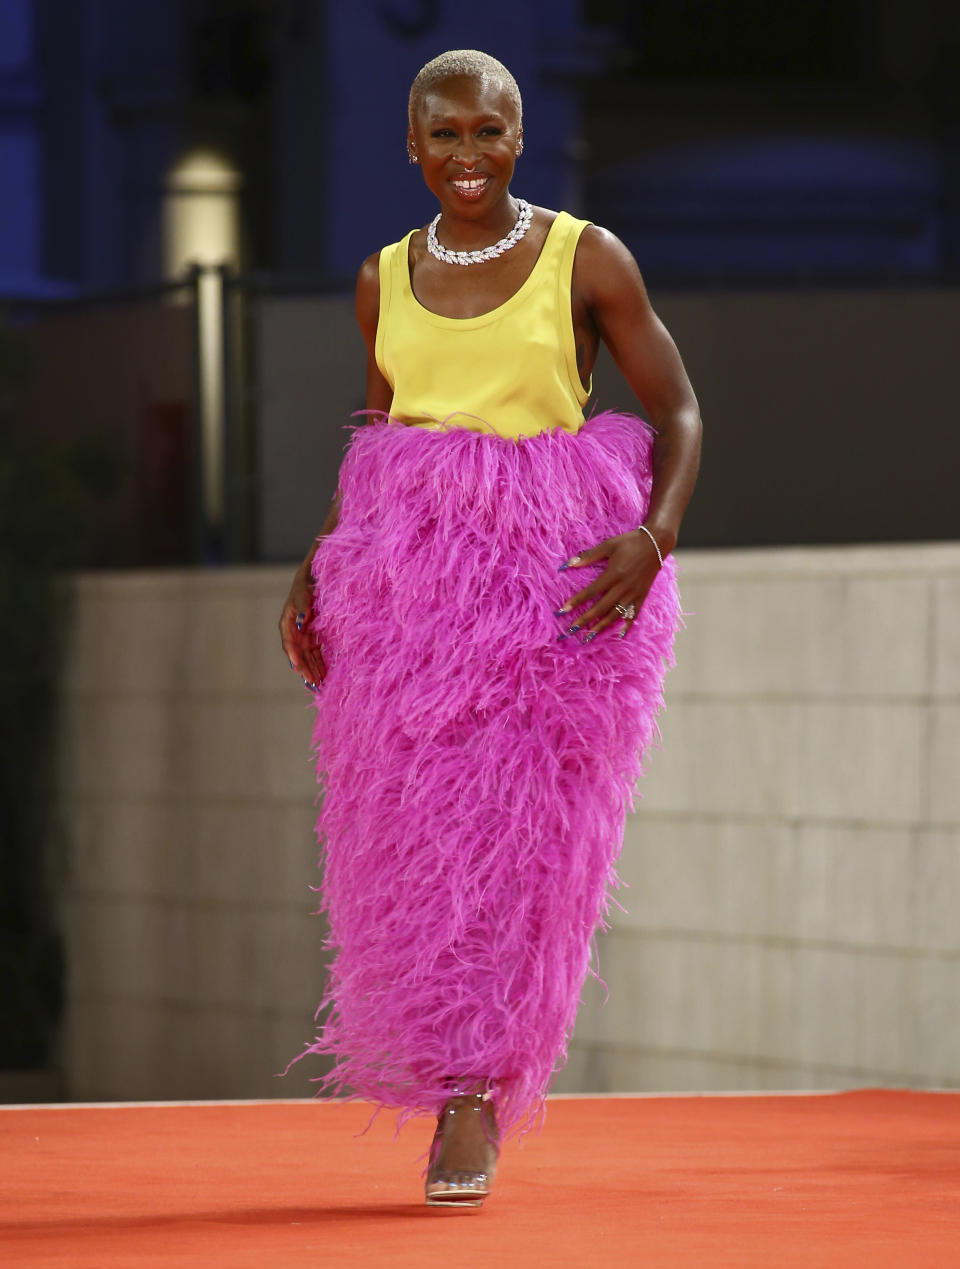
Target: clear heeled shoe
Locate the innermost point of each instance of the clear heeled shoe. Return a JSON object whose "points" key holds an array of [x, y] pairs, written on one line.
{"points": [[460, 1187]]}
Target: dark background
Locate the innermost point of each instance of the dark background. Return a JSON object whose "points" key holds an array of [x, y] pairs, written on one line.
{"points": [[803, 141], [786, 173]]}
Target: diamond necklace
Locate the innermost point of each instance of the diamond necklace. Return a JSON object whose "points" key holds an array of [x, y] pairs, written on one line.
{"points": [[484, 253]]}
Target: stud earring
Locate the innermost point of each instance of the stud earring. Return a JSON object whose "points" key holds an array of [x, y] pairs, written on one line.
{"points": [[411, 157], [519, 148]]}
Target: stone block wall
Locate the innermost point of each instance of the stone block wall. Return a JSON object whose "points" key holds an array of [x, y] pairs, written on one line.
{"points": [[194, 965], [793, 868], [795, 863]]}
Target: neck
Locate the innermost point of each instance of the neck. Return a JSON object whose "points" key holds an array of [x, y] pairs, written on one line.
{"points": [[460, 233]]}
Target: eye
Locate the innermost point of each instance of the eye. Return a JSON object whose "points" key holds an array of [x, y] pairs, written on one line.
{"points": [[442, 132], [491, 130]]}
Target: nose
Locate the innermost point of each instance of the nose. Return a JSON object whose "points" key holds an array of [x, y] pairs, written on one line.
{"points": [[466, 153]]}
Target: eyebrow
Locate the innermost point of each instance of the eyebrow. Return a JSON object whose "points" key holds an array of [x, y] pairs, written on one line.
{"points": [[490, 117]]}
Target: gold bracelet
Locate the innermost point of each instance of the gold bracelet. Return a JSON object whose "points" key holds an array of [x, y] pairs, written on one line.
{"points": [[656, 546]]}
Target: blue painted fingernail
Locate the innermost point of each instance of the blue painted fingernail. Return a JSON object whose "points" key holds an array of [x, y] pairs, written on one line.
{"points": [[292, 666], [591, 635], [561, 637], [566, 564], [572, 629], [560, 613]]}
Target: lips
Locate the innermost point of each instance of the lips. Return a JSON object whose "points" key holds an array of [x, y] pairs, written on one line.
{"points": [[470, 187]]}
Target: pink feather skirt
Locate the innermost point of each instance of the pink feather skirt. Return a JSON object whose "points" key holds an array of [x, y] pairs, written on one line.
{"points": [[475, 768]]}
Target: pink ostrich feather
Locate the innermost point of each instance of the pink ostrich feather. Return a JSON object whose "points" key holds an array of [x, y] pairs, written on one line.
{"points": [[475, 769]]}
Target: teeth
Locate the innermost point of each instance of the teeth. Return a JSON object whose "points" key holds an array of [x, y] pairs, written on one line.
{"points": [[471, 183]]}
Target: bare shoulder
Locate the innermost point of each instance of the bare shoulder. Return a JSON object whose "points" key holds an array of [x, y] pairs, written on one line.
{"points": [[604, 267], [544, 217], [368, 293], [601, 250], [368, 279]]}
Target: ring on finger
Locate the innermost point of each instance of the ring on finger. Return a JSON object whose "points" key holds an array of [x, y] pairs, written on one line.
{"points": [[627, 611]]}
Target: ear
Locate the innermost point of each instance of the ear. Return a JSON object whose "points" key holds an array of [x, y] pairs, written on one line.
{"points": [[520, 140]]}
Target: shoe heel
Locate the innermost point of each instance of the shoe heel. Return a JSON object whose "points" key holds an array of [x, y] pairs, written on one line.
{"points": [[459, 1187]]}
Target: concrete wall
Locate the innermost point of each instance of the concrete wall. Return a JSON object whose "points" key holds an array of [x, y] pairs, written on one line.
{"points": [[794, 866], [796, 861], [194, 965]]}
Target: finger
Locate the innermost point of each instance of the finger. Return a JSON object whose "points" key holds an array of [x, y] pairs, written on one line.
{"points": [[292, 653], [317, 665], [598, 552], [288, 626], [623, 591], [309, 654], [589, 592], [604, 612], [608, 589], [605, 622], [311, 681], [637, 606], [300, 658]]}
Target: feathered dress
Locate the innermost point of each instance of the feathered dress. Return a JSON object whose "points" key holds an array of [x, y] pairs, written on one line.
{"points": [[476, 763]]}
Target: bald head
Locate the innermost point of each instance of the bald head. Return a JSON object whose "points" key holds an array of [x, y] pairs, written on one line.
{"points": [[463, 62]]}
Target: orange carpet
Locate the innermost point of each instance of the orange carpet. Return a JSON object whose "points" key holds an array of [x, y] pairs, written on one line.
{"points": [[866, 1179]]}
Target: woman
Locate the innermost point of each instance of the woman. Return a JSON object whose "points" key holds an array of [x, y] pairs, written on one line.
{"points": [[481, 711]]}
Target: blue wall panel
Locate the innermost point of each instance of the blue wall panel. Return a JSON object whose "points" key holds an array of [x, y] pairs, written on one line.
{"points": [[374, 195]]}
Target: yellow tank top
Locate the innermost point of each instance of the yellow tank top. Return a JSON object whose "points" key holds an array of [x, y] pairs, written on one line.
{"points": [[512, 371]]}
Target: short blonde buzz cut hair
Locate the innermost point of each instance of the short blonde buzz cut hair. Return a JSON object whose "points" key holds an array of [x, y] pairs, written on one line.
{"points": [[466, 62]]}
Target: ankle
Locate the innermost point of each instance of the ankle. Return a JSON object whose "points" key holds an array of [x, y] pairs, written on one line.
{"points": [[470, 1085]]}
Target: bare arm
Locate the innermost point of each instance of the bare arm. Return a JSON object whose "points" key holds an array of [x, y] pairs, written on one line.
{"points": [[301, 649], [641, 346], [611, 297], [379, 392]]}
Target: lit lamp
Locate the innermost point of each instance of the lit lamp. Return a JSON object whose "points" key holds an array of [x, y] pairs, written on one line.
{"points": [[201, 226]]}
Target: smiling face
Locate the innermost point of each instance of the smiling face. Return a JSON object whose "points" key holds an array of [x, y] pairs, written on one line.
{"points": [[465, 135]]}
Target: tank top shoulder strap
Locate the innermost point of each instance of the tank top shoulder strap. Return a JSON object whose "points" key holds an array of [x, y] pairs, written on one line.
{"points": [[392, 267], [561, 245], [561, 242]]}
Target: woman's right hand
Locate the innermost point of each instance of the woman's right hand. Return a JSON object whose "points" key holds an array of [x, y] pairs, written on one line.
{"points": [[301, 647]]}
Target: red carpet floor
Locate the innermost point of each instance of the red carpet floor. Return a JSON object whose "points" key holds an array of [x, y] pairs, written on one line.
{"points": [[850, 1179]]}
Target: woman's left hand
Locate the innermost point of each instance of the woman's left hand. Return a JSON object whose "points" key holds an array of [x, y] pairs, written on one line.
{"points": [[632, 565]]}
